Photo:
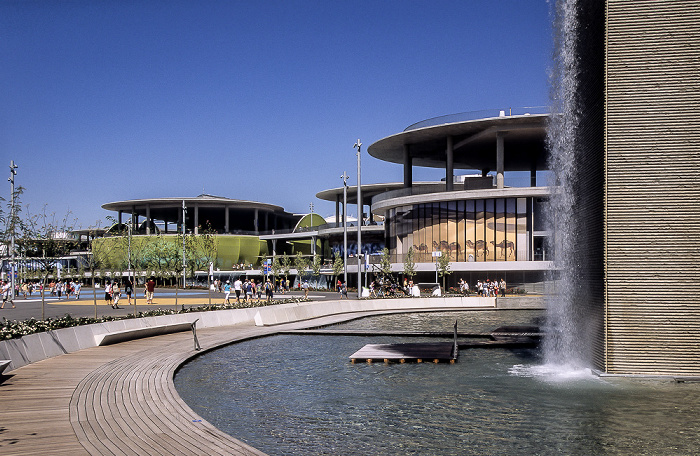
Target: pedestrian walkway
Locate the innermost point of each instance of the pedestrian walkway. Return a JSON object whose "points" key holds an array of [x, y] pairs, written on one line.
{"points": [[121, 399]]}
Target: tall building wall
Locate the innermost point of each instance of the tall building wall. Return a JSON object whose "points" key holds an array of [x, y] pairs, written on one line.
{"points": [[652, 187]]}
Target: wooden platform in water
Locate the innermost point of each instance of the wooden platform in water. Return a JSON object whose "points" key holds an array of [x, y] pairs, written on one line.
{"points": [[418, 352]]}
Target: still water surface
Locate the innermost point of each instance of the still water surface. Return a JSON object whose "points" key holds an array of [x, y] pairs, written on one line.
{"points": [[299, 395]]}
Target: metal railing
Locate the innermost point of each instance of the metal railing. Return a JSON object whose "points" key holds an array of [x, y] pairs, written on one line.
{"points": [[474, 115]]}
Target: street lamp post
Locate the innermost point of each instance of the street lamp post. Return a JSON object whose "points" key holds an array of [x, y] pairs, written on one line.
{"points": [[13, 171], [345, 228], [184, 261], [358, 146]]}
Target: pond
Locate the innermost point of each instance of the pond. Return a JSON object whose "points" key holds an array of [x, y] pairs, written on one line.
{"points": [[290, 394]]}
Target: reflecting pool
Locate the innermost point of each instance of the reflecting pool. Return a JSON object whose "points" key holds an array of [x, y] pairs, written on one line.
{"points": [[301, 395]]}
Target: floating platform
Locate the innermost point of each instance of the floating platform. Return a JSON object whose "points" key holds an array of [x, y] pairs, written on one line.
{"points": [[503, 337], [416, 352]]}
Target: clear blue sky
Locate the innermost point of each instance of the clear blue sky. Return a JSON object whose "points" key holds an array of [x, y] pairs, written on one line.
{"points": [[105, 101]]}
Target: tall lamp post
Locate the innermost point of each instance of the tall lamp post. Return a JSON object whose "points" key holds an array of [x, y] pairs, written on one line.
{"points": [[13, 171], [345, 228], [358, 146], [184, 261]]}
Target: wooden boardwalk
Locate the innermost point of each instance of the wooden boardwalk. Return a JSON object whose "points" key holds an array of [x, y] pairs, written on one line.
{"points": [[119, 399]]}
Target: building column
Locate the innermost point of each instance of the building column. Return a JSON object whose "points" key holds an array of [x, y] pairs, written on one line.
{"points": [[119, 219], [148, 219], [226, 228], [134, 219], [313, 245], [533, 175], [449, 165], [407, 167], [196, 218], [255, 221], [337, 210], [499, 160]]}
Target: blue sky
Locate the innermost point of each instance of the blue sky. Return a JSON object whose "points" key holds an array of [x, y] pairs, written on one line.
{"points": [[105, 101]]}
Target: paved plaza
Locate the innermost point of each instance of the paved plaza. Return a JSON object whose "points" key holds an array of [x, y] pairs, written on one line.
{"points": [[164, 298]]}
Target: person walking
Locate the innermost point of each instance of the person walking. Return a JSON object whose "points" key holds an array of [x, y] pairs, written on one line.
{"points": [[6, 287], [237, 286], [150, 289], [268, 290], [108, 293], [502, 286], [116, 294], [128, 289], [305, 286], [227, 293]]}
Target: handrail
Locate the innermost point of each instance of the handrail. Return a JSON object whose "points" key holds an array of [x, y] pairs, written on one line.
{"points": [[474, 115]]}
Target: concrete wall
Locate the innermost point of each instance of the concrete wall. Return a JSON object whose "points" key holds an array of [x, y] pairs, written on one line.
{"points": [[36, 347]]}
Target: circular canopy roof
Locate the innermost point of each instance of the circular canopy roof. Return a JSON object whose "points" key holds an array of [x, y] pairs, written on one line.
{"points": [[167, 208], [368, 191], [474, 144]]}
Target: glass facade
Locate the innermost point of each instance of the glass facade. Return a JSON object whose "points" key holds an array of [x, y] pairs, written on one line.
{"points": [[494, 229]]}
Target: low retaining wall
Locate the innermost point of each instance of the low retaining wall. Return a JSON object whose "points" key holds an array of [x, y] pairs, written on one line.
{"points": [[288, 313], [36, 347]]}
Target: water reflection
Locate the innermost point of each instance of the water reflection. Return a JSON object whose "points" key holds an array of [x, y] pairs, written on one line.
{"points": [[301, 395]]}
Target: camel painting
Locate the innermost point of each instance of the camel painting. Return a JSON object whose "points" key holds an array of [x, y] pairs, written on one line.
{"points": [[503, 245], [480, 245]]}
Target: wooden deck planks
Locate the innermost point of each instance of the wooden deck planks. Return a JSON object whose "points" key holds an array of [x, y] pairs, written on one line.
{"points": [[119, 399]]}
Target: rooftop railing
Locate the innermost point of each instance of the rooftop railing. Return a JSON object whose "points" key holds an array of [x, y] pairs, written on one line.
{"points": [[474, 115]]}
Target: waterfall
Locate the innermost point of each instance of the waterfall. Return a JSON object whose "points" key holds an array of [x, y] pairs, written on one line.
{"points": [[564, 348]]}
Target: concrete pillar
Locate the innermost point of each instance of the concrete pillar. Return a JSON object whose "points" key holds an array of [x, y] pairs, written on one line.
{"points": [[313, 245], [148, 219], [119, 219], [337, 209], [226, 228], [533, 175], [407, 167], [449, 165], [196, 219], [255, 221], [499, 160]]}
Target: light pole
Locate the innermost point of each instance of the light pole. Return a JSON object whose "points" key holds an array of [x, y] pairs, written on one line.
{"points": [[358, 146], [13, 171], [184, 261], [345, 228]]}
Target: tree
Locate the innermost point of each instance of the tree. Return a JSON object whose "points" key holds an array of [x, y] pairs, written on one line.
{"points": [[443, 267], [385, 266], [409, 264], [316, 265], [47, 239], [338, 266], [276, 268], [301, 264], [286, 264]]}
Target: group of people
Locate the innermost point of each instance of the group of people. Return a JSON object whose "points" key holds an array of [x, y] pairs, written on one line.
{"points": [[60, 289], [488, 288], [247, 290], [113, 292]]}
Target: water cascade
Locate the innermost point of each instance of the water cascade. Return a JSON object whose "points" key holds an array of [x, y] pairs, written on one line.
{"points": [[565, 350]]}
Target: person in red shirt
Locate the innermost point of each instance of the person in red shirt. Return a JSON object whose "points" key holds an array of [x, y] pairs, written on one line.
{"points": [[150, 288]]}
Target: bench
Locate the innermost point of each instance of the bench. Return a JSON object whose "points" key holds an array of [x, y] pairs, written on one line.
{"points": [[137, 333], [3, 364]]}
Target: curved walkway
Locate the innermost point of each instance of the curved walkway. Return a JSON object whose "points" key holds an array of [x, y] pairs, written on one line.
{"points": [[121, 399]]}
